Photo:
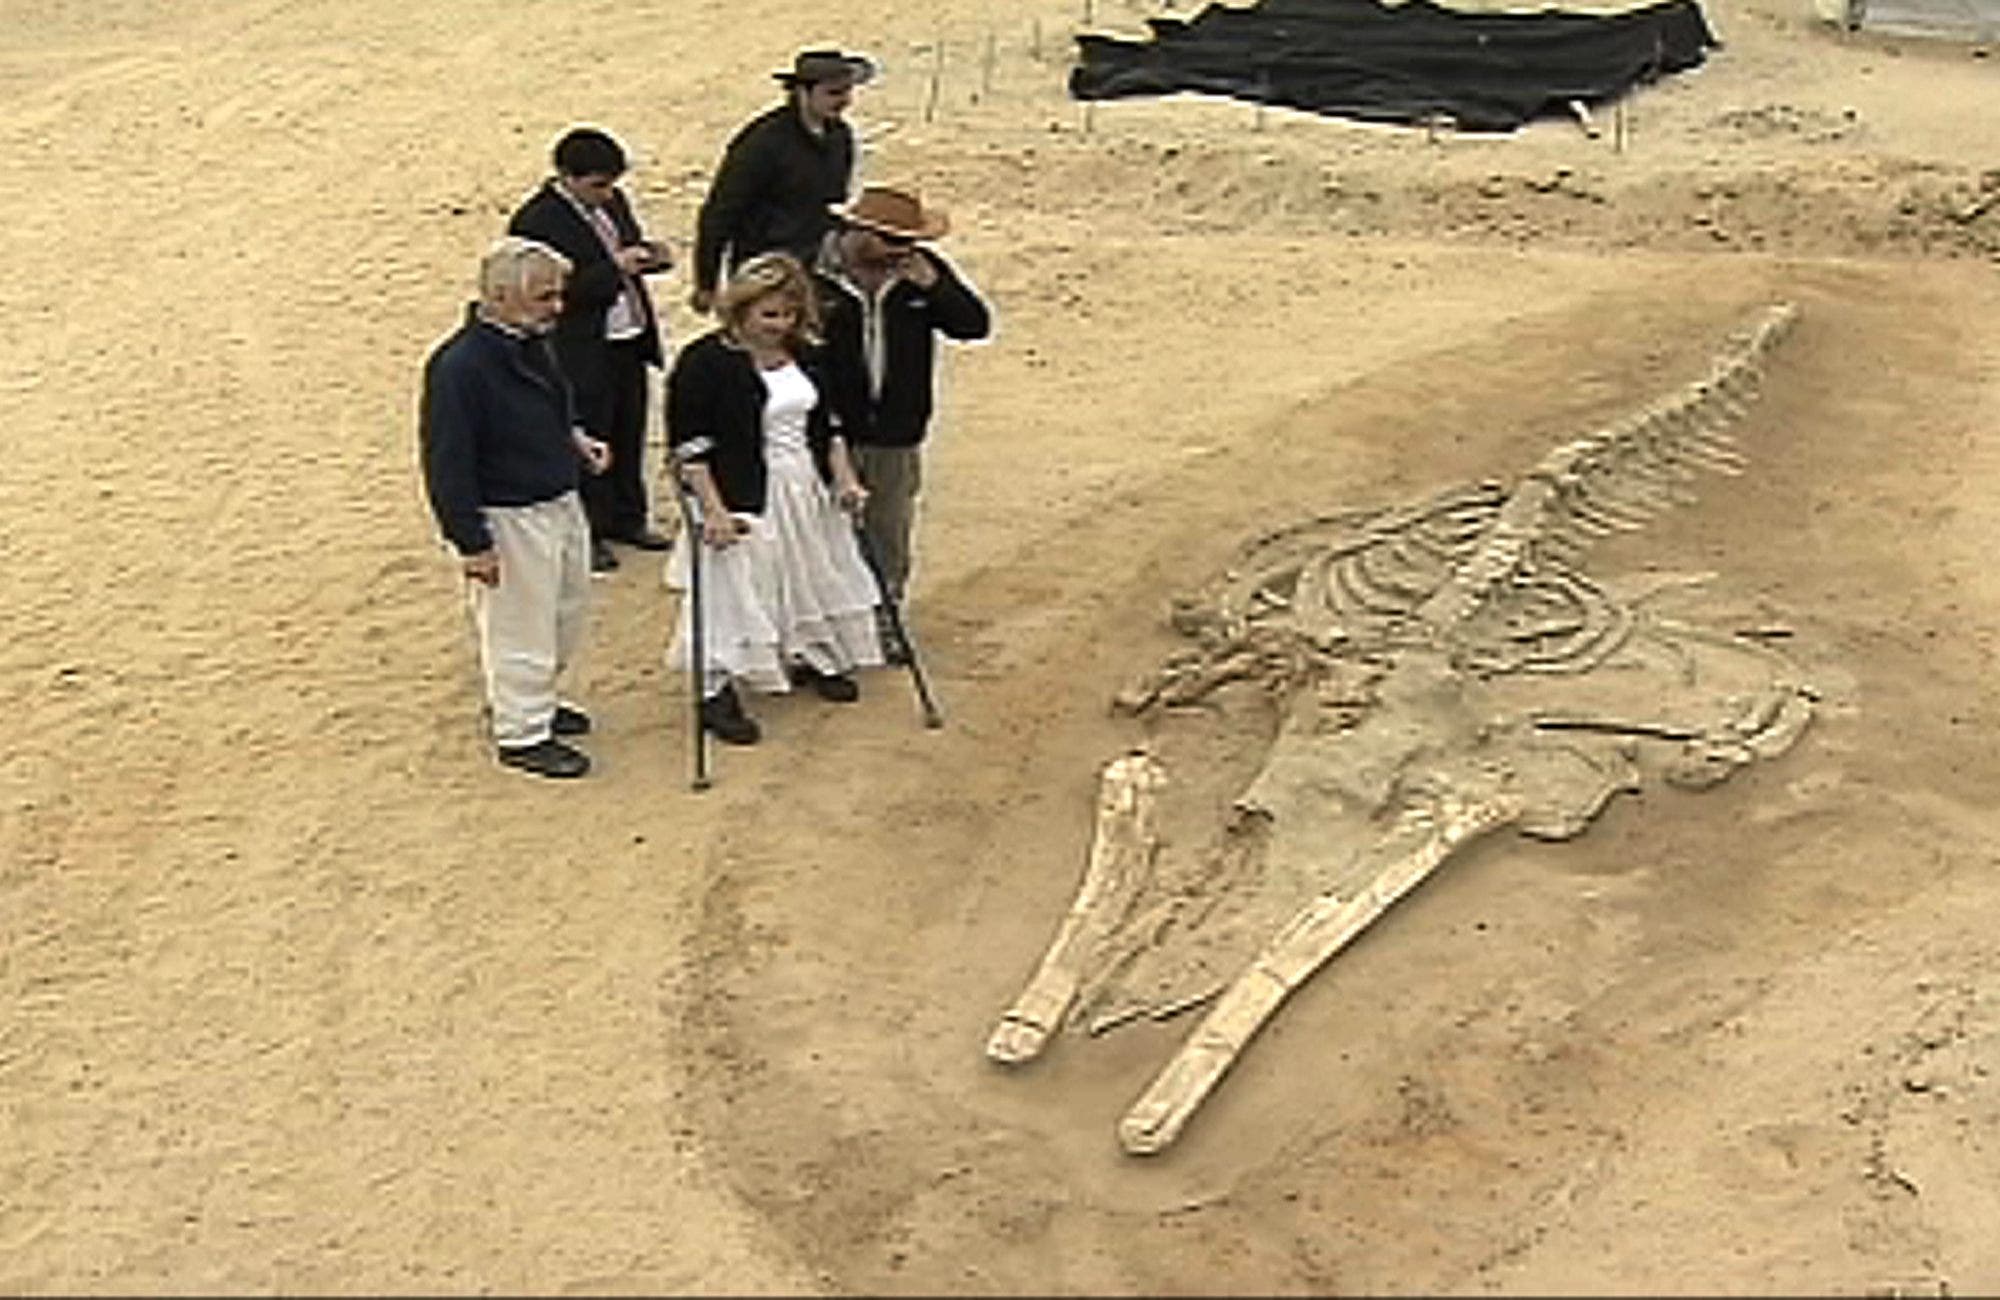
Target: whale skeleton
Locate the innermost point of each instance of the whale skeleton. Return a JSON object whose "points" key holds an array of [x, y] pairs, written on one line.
{"points": [[1443, 670]]}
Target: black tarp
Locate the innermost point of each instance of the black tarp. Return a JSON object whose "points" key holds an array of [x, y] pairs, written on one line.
{"points": [[1402, 63]]}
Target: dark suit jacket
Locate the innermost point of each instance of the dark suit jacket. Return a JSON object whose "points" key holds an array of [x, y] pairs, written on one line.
{"points": [[593, 286]]}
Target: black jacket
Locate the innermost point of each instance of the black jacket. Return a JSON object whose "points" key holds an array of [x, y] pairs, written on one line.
{"points": [[494, 429], [772, 191], [715, 415], [900, 414], [593, 286]]}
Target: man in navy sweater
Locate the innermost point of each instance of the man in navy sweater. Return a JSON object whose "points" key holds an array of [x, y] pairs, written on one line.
{"points": [[503, 455]]}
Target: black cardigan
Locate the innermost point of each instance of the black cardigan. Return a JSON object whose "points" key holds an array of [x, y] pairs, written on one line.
{"points": [[592, 288], [715, 416]]}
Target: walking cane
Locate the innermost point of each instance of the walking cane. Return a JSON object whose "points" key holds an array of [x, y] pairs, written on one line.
{"points": [[698, 647], [933, 719]]}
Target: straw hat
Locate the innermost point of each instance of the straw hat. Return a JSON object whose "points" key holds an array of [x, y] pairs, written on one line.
{"points": [[889, 211]]}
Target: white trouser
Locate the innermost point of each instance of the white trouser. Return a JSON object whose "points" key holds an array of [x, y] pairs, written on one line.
{"points": [[531, 623]]}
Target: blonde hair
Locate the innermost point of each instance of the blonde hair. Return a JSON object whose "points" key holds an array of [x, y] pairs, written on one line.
{"points": [[505, 267], [759, 278]]}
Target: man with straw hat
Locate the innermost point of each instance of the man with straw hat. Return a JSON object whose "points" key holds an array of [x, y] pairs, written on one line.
{"points": [[781, 171], [887, 297]]}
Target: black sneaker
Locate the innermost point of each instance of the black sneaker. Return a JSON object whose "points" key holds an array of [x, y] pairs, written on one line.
{"points": [[570, 722], [838, 687], [601, 558], [722, 716], [549, 758], [895, 650], [646, 539]]}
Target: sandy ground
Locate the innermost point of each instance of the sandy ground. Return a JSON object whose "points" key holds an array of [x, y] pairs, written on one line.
{"points": [[298, 991]]}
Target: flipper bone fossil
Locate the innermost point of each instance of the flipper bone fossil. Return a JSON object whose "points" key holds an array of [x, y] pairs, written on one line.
{"points": [[1443, 669]]}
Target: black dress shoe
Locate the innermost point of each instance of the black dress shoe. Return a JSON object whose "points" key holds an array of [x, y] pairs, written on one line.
{"points": [[570, 722], [549, 758], [722, 716], [648, 540], [838, 687], [601, 558]]}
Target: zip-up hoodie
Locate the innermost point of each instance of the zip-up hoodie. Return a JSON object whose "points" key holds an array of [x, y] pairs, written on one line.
{"points": [[888, 403]]}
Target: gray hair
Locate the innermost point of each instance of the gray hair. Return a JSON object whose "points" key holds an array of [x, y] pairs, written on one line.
{"points": [[505, 266]]}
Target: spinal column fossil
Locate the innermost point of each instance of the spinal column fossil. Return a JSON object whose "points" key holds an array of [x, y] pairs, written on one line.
{"points": [[1442, 670]]}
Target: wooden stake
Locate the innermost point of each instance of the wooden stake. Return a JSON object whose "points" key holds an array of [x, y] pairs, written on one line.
{"points": [[1581, 111], [986, 70], [937, 74]]}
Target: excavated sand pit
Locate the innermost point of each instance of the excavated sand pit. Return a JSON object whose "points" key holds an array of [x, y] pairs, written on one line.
{"points": [[304, 994]]}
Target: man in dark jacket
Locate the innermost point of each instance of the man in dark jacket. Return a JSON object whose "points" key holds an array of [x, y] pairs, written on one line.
{"points": [[886, 299], [608, 333], [781, 171], [502, 458]]}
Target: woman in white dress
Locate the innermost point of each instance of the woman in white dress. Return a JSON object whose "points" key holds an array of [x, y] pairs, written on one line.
{"points": [[786, 597]]}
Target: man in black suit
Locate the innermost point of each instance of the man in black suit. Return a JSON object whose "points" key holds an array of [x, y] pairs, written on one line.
{"points": [[608, 333]]}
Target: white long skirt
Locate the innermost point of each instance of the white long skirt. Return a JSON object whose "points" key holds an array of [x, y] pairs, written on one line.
{"points": [[794, 588]]}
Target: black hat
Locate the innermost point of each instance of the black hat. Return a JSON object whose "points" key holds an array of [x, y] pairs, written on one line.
{"points": [[812, 67]]}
